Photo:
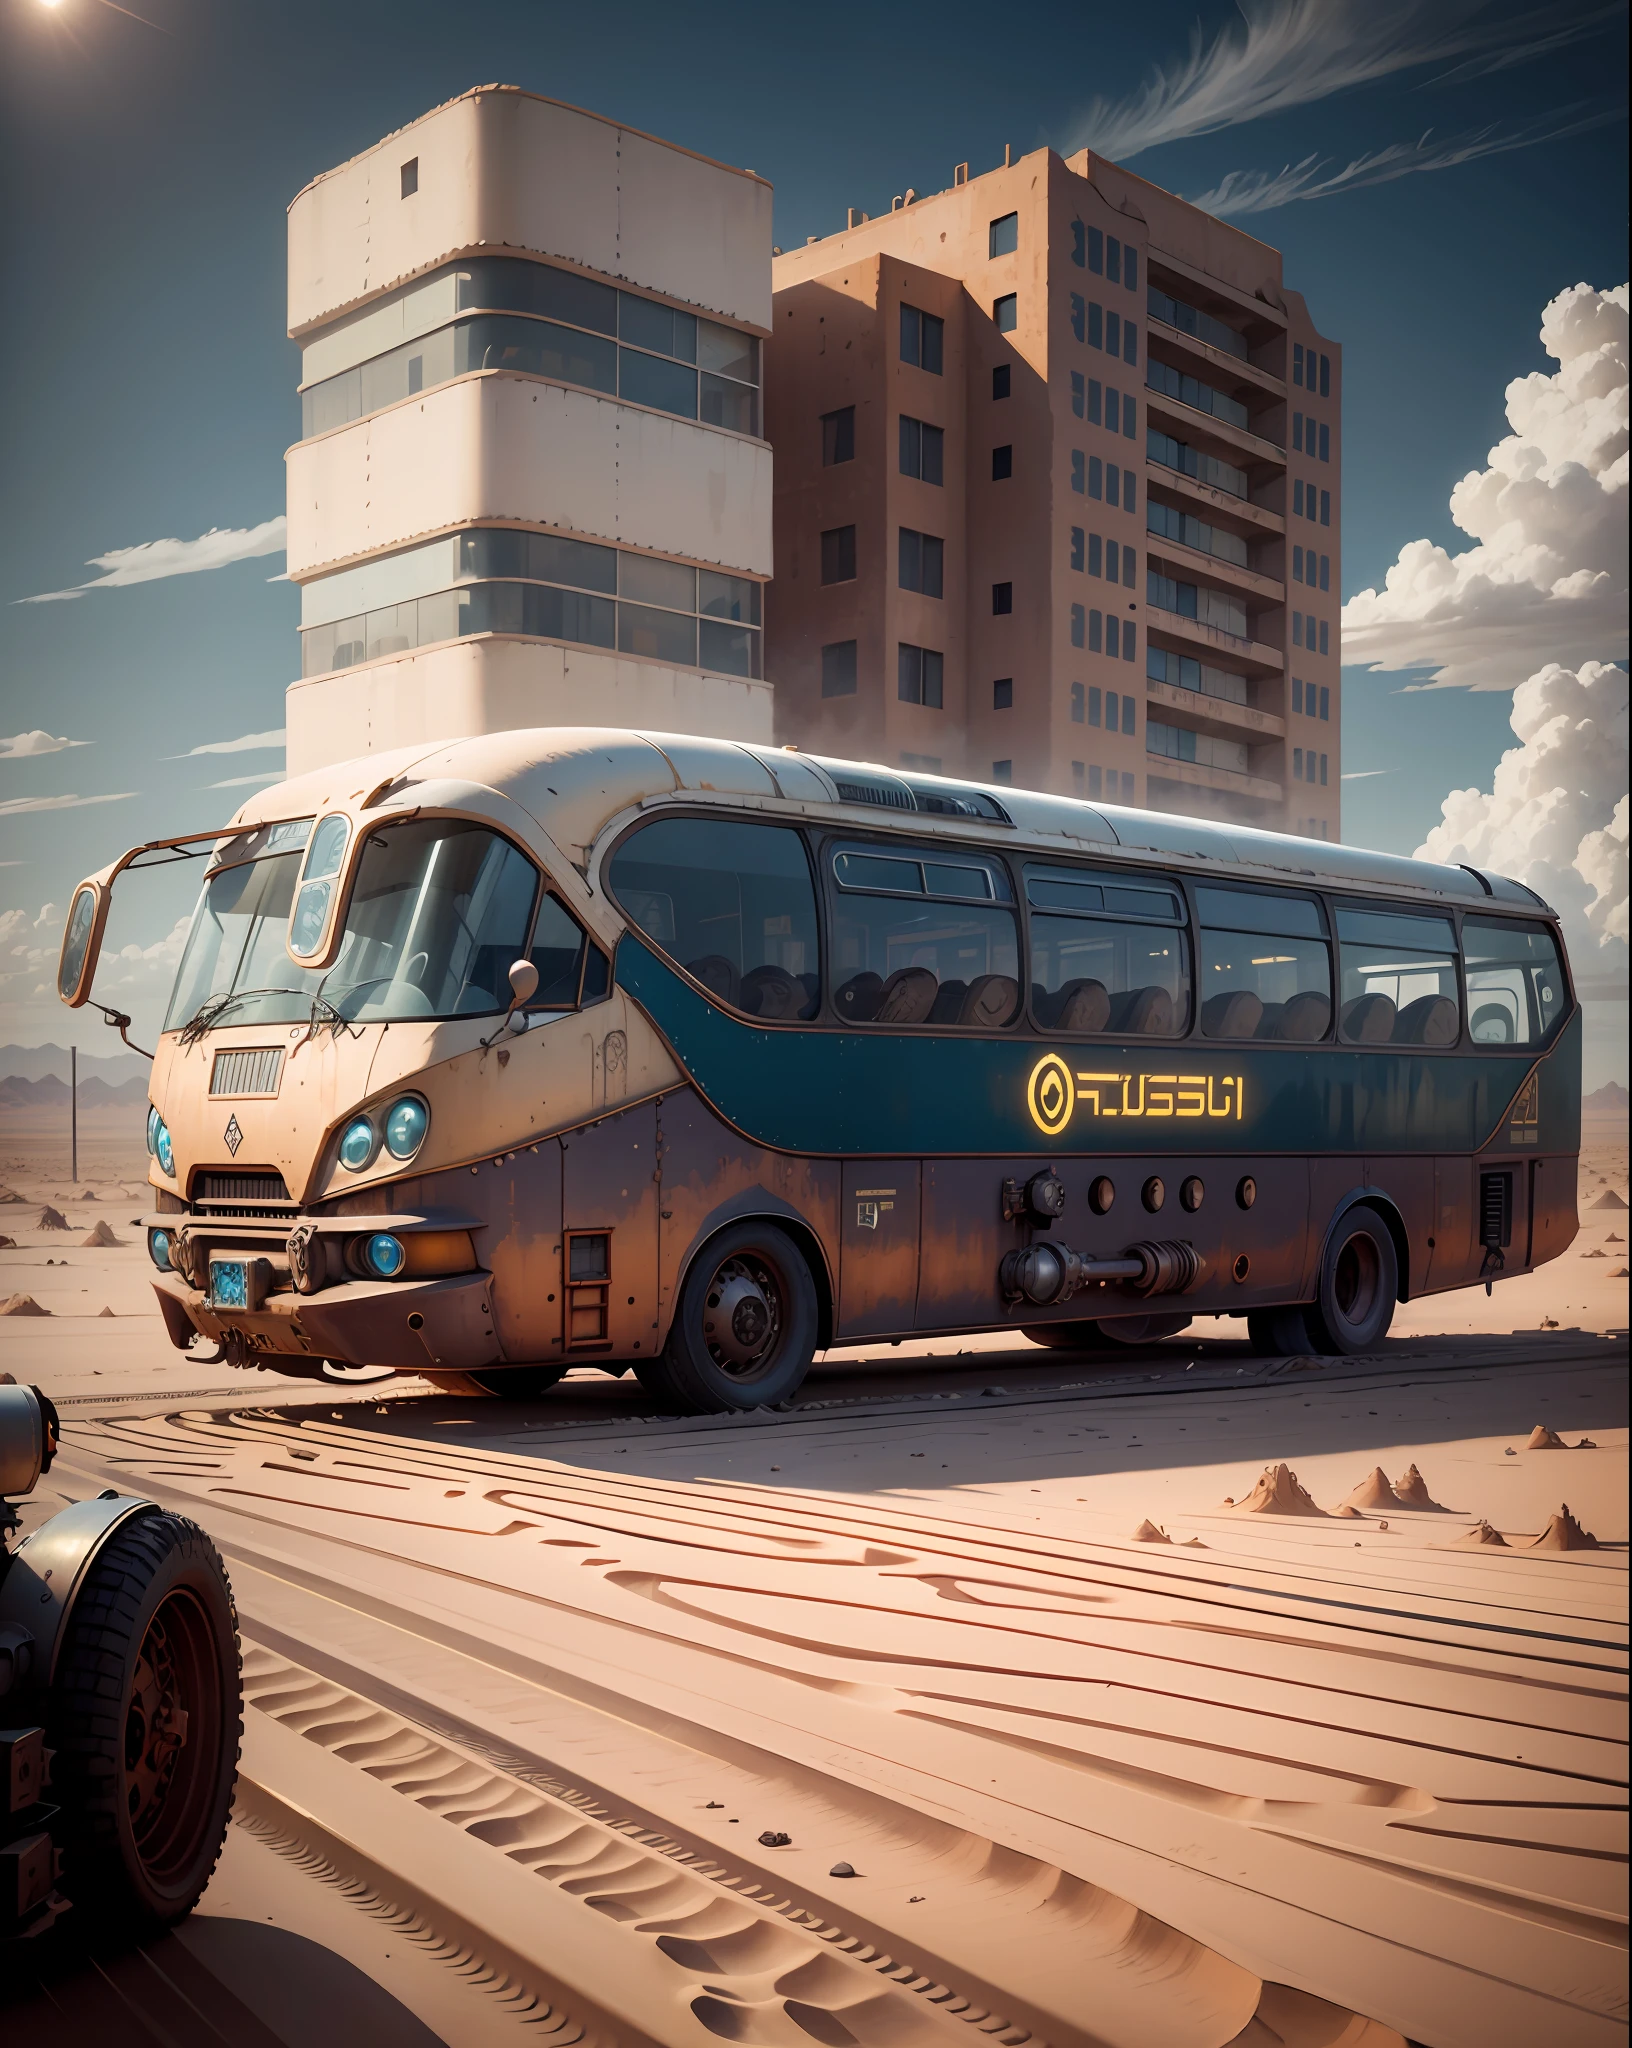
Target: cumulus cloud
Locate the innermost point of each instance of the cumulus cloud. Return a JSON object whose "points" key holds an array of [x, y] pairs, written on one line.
{"points": [[246, 743], [1291, 53], [1555, 817], [1243, 192], [151, 561], [23, 744], [125, 975], [17, 804], [1547, 578]]}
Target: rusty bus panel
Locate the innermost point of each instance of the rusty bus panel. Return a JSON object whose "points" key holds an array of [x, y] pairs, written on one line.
{"points": [[878, 1257], [607, 1269]]}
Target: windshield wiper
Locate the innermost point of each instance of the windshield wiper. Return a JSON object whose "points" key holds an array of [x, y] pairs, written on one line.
{"points": [[213, 1008], [324, 1012]]}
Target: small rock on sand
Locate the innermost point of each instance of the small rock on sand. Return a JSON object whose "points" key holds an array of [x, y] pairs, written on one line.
{"points": [[100, 1237], [842, 1870], [1373, 1491], [774, 1838], [22, 1305], [1544, 1439], [1563, 1532], [1147, 1532], [1480, 1537], [1277, 1493]]}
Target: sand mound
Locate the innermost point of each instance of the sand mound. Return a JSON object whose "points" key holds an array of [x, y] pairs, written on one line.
{"points": [[8, 1244], [1563, 1532], [9, 1195], [1147, 1532], [22, 1305], [48, 1218], [104, 1312], [1609, 1200], [1481, 1537], [1411, 1490], [1348, 1514], [1277, 1493], [1541, 1438], [101, 1236], [1620, 1273], [1595, 1255], [1373, 1491]]}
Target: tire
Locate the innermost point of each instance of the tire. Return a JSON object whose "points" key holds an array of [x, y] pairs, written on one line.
{"points": [[520, 1382], [1110, 1333], [153, 1631], [745, 1325], [1282, 1332], [1359, 1285]]}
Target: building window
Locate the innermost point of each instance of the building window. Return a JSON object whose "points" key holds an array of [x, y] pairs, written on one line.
{"points": [[1113, 260], [1297, 565], [1297, 629], [1076, 470], [839, 436], [1002, 463], [1297, 764], [1096, 401], [1002, 599], [410, 177], [1079, 240], [1130, 493], [1096, 643], [1113, 333], [1325, 442], [1297, 496], [1297, 693], [1096, 324], [1078, 774], [1003, 693], [1096, 252], [1297, 433], [1130, 418], [921, 339], [919, 559], [1077, 539], [1325, 637], [1006, 313], [1002, 771], [1325, 376], [1096, 779], [1130, 342], [1325, 505], [1112, 704], [1078, 624], [922, 450], [1297, 362], [839, 554], [1130, 648], [1113, 483], [1095, 555], [1077, 310], [1003, 236], [1323, 771], [1325, 572], [1095, 699], [918, 675], [1000, 380], [1113, 406], [1113, 641], [1113, 557], [1078, 397], [1078, 704], [1096, 477], [1325, 701], [839, 669]]}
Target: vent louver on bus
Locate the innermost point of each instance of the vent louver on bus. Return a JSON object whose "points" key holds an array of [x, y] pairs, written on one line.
{"points": [[1495, 1211], [853, 792], [241, 1194], [247, 1070]]}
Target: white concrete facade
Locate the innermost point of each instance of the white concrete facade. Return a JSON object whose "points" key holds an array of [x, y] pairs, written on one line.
{"points": [[383, 252]]}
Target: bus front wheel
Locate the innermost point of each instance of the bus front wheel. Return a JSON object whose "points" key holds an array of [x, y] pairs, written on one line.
{"points": [[1359, 1284], [745, 1325]]}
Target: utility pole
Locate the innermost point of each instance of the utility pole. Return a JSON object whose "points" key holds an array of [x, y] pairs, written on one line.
{"points": [[73, 1114]]}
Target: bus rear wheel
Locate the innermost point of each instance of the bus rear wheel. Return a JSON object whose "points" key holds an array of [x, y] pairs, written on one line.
{"points": [[1359, 1284], [745, 1325]]}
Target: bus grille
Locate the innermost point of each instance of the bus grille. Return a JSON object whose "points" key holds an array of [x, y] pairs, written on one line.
{"points": [[242, 1194], [247, 1070], [874, 793], [1495, 1210]]}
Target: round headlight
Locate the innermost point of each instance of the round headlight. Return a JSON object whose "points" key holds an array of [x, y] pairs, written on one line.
{"points": [[163, 1151], [406, 1123], [357, 1144], [158, 1250], [383, 1255], [152, 1127]]}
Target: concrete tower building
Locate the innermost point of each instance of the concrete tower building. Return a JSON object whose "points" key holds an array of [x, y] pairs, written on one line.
{"points": [[532, 485], [1057, 498]]}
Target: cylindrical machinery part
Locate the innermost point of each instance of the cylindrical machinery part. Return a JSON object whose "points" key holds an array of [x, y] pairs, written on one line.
{"points": [[28, 1438], [1047, 1273]]}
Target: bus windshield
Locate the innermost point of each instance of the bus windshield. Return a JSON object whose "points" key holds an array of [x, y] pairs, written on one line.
{"points": [[439, 910]]}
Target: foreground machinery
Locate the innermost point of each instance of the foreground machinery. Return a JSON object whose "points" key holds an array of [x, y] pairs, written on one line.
{"points": [[120, 1707]]}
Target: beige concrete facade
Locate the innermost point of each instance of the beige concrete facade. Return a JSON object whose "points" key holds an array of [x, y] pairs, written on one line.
{"points": [[448, 397], [1226, 467]]}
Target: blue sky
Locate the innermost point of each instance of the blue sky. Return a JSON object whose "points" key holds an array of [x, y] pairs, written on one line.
{"points": [[150, 387]]}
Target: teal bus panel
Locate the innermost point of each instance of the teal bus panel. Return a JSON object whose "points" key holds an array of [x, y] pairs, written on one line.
{"points": [[850, 1093]]}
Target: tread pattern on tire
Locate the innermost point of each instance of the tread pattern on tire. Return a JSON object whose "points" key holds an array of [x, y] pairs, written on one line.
{"points": [[86, 1727]]}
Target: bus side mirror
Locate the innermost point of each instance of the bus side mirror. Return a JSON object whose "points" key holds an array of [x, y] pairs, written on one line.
{"points": [[523, 987], [82, 942]]}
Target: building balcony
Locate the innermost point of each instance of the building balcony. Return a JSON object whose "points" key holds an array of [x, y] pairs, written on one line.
{"points": [[1214, 568], [1252, 656], [1209, 496], [1220, 715], [1215, 363], [1189, 422], [1195, 775]]}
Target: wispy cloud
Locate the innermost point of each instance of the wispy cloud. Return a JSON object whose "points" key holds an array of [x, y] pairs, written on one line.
{"points": [[151, 561], [18, 804], [1365, 774], [1240, 192], [246, 743], [247, 781], [24, 744], [1291, 53]]}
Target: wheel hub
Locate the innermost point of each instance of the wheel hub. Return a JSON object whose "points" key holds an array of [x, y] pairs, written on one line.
{"points": [[155, 1730], [742, 1315]]}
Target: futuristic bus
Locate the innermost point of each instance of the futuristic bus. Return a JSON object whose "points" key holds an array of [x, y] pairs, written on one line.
{"points": [[564, 1047]]}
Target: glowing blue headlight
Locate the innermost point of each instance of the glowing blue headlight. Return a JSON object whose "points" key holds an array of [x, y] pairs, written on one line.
{"points": [[384, 1256], [158, 1250], [357, 1144], [163, 1151], [406, 1123], [152, 1127]]}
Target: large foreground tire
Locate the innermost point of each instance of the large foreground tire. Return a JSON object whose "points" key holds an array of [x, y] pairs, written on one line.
{"points": [[1359, 1285], [744, 1327], [145, 1717], [1109, 1333]]}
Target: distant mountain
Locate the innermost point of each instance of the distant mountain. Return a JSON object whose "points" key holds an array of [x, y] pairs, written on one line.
{"points": [[1609, 1101], [50, 1093], [35, 1062]]}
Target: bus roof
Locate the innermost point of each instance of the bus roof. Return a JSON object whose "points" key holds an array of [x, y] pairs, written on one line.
{"points": [[574, 780]]}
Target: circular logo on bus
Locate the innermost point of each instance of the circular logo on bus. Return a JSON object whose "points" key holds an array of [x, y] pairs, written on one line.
{"points": [[1051, 1094]]}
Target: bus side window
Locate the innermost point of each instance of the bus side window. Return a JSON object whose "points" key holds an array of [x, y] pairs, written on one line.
{"points": [[732, 903], [923, 935], [1108, 953], [557, 952], [1515, 982], [1399, 978], [1265, 968]]}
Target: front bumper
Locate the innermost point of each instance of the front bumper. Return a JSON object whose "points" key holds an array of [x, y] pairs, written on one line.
{"points": [[442, 1325]]}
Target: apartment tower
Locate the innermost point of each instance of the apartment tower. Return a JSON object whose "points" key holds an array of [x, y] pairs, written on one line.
{"points": [[532, 485], [1057, 498]]}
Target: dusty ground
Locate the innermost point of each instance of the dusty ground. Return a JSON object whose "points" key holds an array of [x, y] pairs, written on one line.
{"points": [[529, 1682]]}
